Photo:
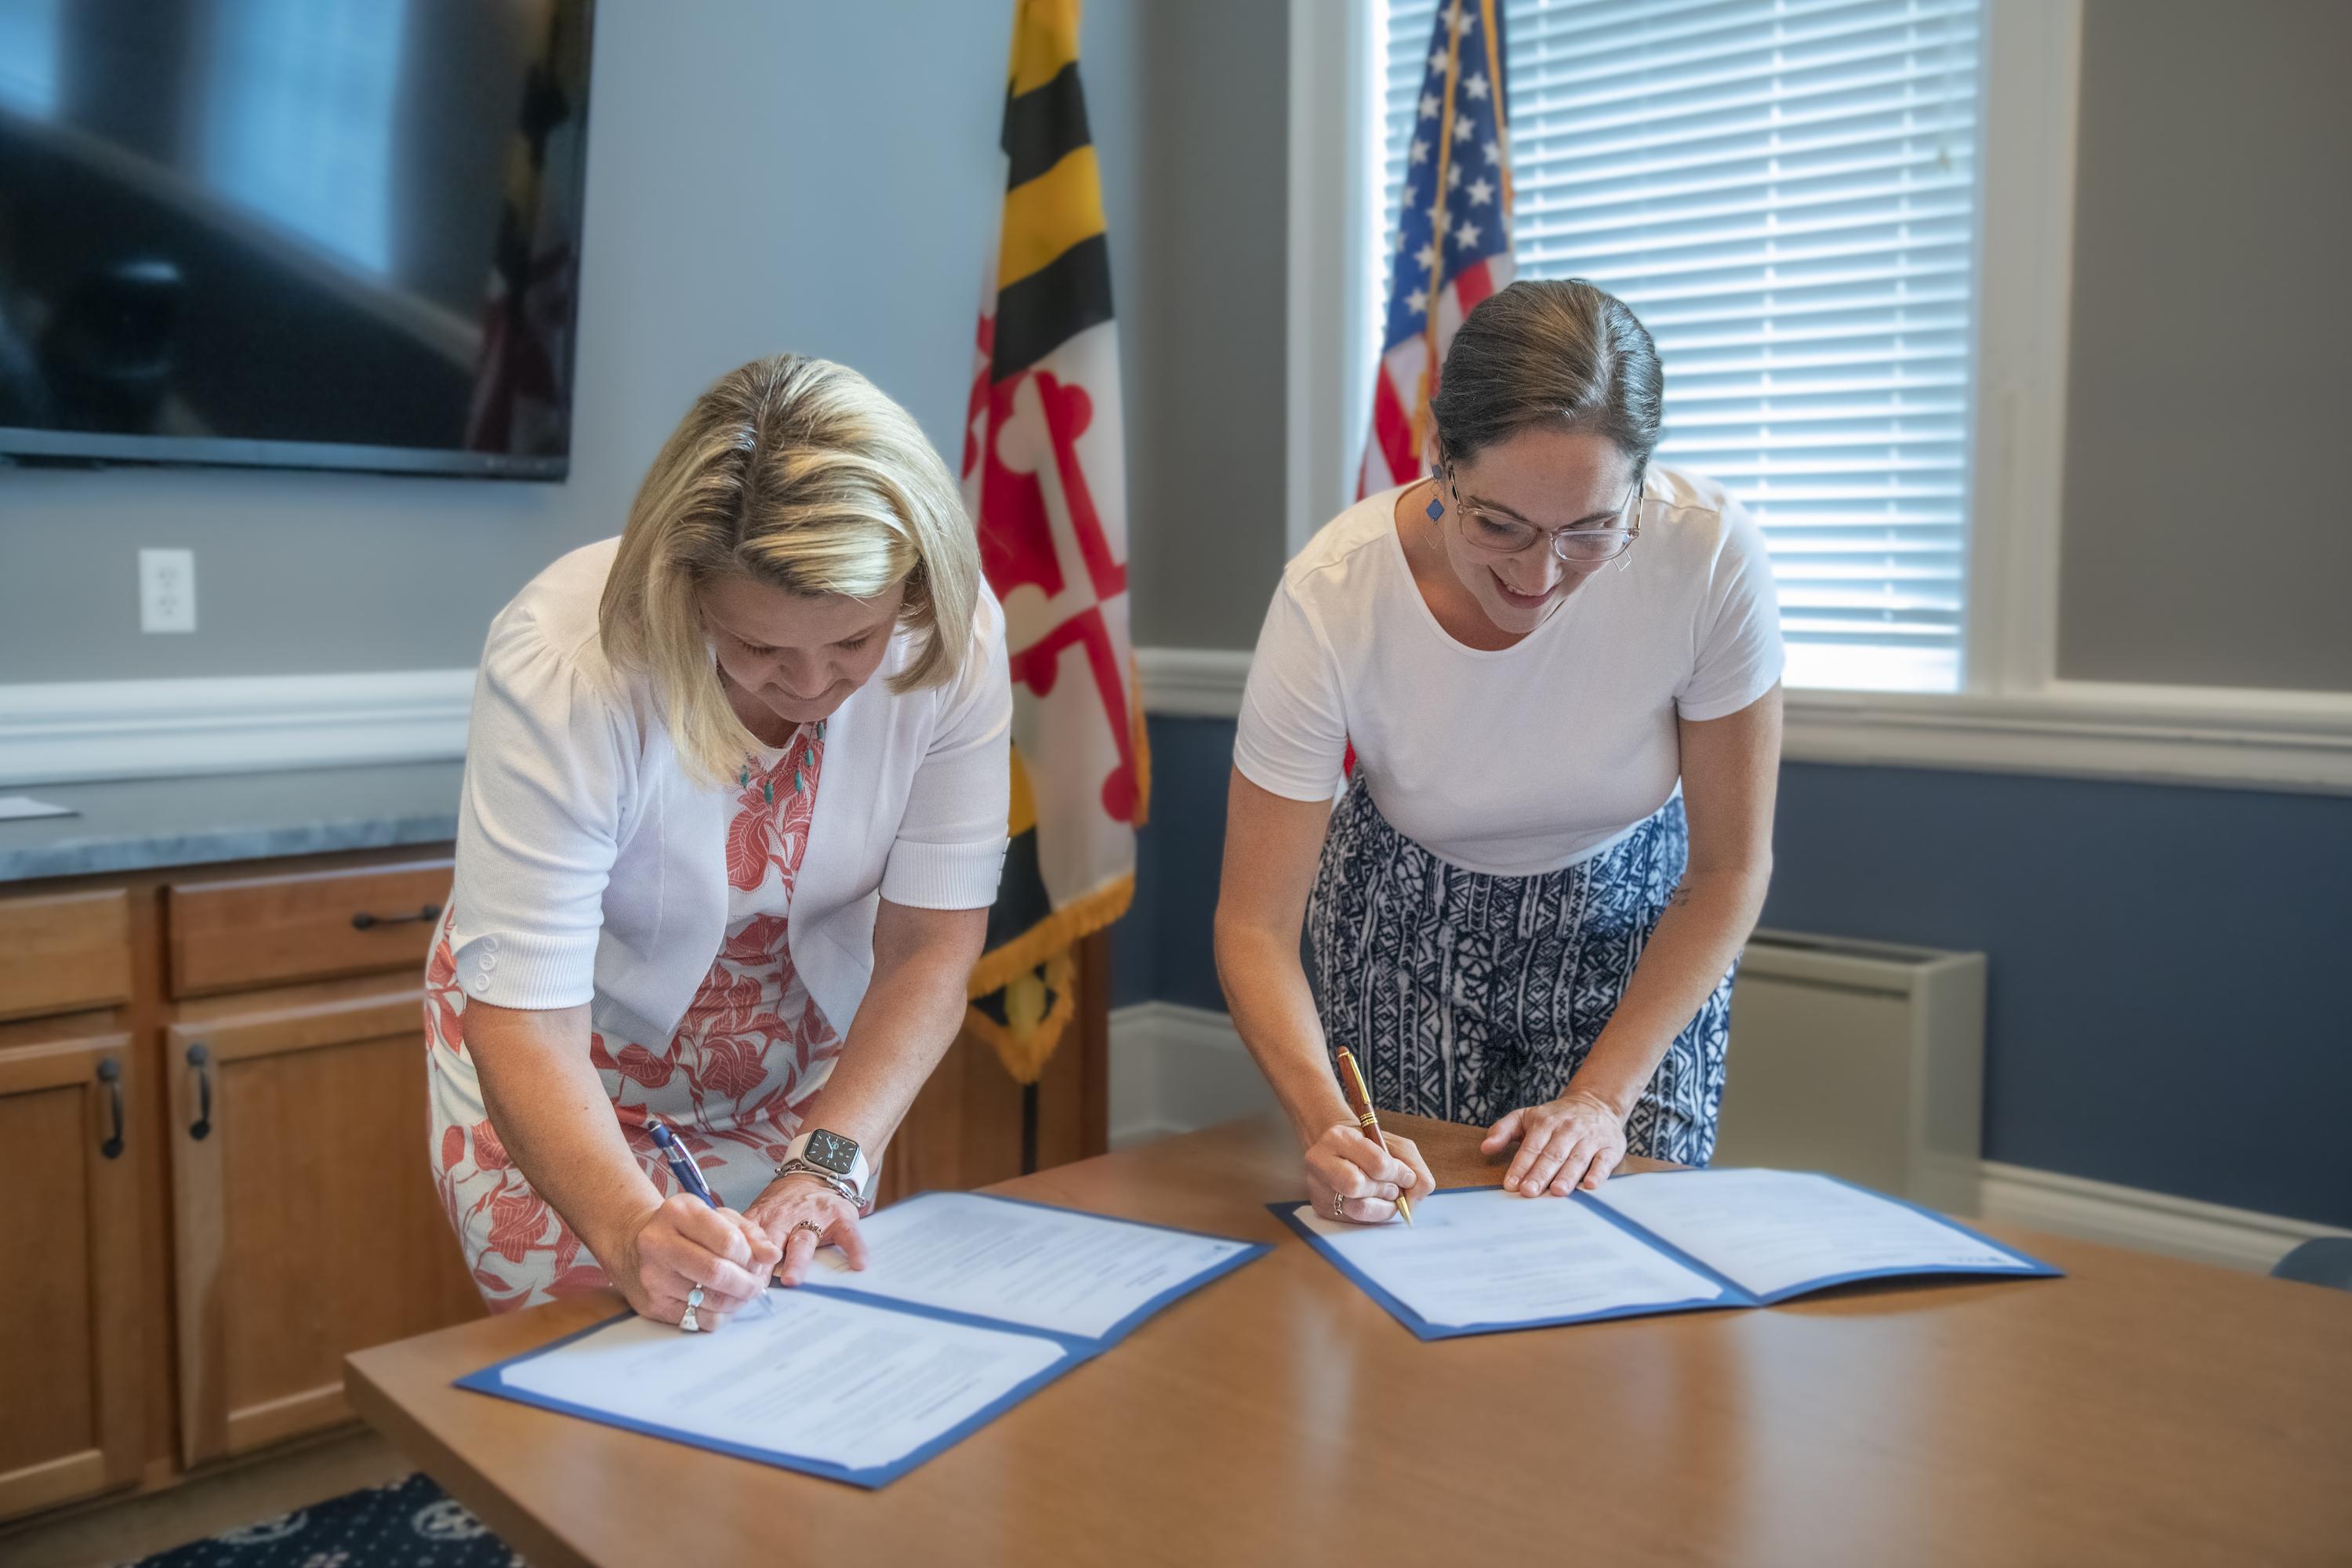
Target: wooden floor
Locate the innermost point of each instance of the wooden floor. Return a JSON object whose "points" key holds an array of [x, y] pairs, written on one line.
{"points": [[104, 1532]]}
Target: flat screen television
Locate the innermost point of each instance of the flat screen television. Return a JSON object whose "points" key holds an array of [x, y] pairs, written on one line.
{"points": [[339, 233]]}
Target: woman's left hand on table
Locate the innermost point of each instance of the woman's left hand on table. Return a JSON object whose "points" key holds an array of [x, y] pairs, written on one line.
{"points": [[786, 1211], [1574, 1141]]}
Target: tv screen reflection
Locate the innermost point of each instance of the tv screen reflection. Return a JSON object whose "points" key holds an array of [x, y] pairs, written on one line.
{"points": [[317, 233]]}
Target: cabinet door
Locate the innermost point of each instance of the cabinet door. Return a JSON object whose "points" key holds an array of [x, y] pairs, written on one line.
{"points": [[69, 1373], [306, 1218]]}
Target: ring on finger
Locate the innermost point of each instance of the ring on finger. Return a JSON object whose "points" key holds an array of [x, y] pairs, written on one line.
{"points": [[809, 1226], [1338, 1206]]}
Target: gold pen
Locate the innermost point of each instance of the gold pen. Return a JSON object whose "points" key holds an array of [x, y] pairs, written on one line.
{"points": [[1359, 1101]]}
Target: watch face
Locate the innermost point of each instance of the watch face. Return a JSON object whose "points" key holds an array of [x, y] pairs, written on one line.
{"points": [[832, 1151]]}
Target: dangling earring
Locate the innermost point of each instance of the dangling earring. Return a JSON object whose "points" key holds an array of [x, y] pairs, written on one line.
{"points": [[1436, 507]]}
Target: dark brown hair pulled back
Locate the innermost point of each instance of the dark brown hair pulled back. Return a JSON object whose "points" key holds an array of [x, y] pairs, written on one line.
{"points": [[1553, 354]]}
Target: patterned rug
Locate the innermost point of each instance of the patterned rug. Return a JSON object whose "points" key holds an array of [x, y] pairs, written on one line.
{"points": [[409, 1524]]}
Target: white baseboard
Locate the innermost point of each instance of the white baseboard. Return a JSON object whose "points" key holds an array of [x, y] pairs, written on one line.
{"points": [[69, 732], [2141, 1220], [1175, 1069]]}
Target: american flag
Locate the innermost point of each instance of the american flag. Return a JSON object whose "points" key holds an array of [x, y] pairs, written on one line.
{"points": [[1453, 243]]}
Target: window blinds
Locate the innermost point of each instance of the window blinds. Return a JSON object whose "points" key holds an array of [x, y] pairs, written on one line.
{"points": [[1784, 191]]}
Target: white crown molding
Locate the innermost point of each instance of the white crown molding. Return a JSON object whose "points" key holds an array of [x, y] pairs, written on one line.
{"points": [[70, 731], [1175, 1069], [2295, 741]]}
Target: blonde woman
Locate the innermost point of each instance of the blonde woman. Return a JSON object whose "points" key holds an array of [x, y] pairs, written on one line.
{"points": [[734, 812]]}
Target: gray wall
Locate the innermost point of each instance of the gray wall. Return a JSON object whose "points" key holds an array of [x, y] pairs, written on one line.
{"points": [[1204, 336], [762, 176], [2207, 540], [1205, 474]]}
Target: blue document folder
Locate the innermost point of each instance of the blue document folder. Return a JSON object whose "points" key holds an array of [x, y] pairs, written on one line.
{"points": [[862, 1377], [1480, 1260]]}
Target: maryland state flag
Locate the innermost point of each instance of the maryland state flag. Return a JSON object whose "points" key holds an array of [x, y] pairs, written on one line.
{"points": [[1046, 484]]}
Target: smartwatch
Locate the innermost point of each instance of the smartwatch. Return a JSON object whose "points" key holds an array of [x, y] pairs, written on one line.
{"points": [[833, 1159]]}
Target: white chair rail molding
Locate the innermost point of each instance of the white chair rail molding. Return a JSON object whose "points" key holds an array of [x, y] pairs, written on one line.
{"points": [[2255, 739]]}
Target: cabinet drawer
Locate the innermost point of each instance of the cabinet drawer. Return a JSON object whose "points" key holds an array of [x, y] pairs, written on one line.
{"points": [[273, 929], [64, 953]]}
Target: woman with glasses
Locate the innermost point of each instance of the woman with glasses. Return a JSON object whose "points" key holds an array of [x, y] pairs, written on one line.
{"points": [[1552, 671]]}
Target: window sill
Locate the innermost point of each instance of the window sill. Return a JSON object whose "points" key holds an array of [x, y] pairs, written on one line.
{"points": [[2186, 736]]}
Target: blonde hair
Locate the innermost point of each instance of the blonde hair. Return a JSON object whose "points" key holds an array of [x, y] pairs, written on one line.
{"points": [[800, 474]]}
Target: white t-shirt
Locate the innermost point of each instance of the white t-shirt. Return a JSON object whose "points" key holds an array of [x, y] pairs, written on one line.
{"points": [[1526, 760]]}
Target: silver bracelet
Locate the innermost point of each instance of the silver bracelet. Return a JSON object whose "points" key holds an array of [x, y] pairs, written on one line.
{"points": [[833, 1179]]}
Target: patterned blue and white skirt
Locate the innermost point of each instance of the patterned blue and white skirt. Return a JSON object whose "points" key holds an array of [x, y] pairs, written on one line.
{"points": [[1466, 995]]}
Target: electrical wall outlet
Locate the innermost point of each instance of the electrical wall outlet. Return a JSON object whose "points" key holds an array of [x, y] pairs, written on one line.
{"points": [[167, 590]]}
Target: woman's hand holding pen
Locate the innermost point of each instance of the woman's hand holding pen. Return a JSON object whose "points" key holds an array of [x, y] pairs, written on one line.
{"points": [[1346, 1164], [683, 1243], [799, 1214]]}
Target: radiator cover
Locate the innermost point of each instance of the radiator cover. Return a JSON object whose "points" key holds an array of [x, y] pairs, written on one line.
{"points": [[1864, 1059]]}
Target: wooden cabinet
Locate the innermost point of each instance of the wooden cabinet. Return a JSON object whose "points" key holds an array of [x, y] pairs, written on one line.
{"points": [[190, 1295], [263, 930], [64, 953], [68, 1319], [187, 1295], [304, 1215]]}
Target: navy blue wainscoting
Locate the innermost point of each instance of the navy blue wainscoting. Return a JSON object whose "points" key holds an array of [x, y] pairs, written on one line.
{"points": [[1163, 950], [2166, 963]]}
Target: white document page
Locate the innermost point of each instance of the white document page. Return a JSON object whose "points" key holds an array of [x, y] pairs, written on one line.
{"points": [[1048, 1269], [13, 806], [1492, 1256], [820, 1377], [1771, 1229]]}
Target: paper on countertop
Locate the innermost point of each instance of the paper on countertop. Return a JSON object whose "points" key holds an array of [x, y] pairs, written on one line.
{"points": [[822, 1377], [1058, 1269], [13, 807], [1769, 1231], [1491, 1257], [973, 1304]]}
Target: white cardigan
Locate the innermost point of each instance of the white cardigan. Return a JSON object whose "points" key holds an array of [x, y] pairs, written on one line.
{"points": [[590, 868]]}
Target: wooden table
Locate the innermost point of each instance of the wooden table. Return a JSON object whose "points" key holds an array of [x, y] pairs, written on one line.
{"points": [[2140, 1411]]}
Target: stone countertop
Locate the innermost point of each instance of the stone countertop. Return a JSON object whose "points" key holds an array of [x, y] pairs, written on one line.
{"points": [[134, 825]]}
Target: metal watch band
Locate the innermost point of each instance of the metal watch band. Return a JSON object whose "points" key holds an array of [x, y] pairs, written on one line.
{"points": [[833, 1179]]}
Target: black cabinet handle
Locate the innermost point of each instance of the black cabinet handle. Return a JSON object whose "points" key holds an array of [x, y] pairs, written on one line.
{"points": [[202, 1127], [109, 1073], [364, 920]]}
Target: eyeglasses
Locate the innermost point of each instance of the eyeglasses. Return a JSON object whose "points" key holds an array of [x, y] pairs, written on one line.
{"points": [[1578, 544]]}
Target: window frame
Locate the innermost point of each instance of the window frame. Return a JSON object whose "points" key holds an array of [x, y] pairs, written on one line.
{"points": [[2014, 713]]}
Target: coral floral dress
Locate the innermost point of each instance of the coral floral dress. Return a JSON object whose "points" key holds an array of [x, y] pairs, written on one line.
{"points": [[731, 1081]]}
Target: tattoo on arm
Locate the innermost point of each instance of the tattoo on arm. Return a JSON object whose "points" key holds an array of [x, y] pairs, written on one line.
{"points": [[1680, 896]]}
